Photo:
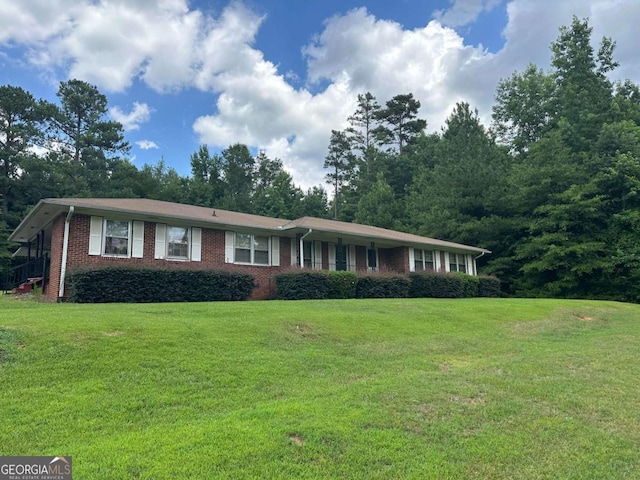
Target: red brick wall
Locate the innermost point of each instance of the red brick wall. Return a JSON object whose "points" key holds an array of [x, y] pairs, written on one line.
{"points": [[213, 250], [394, 259], [57, 238]]}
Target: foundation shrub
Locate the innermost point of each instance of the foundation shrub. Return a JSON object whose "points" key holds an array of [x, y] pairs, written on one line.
{"points": [[302, 285], [382, 285], [139, 285]]}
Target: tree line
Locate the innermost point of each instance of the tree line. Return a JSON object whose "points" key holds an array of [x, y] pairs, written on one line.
{"points": [[552, 187]]}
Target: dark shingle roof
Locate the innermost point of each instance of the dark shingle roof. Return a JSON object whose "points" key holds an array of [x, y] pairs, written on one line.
{"points": [[209, 217]]}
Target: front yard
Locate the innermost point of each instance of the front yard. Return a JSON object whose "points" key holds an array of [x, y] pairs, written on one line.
{"points": [[407, 388]]}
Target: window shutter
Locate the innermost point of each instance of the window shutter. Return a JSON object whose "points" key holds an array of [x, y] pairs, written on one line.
{"points": [[332, 256], [437, 264], [412, 259], [471, 270], [317, 257], [275, 251], [229, 240], [196, 244], [161, 240], [351, 261], [137, 247], [447, 263], [95, 236]]}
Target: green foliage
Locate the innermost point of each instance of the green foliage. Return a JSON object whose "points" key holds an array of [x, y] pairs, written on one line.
{"points": [[20, 130], [206, 186], [342, 284], [238, 169], [429, 284], [489, 286], [133, 285], [310, 284], [382, 285], [340, 161], [469, 285], [302, 285], [379, 206], [399, 120], [521, 112]]}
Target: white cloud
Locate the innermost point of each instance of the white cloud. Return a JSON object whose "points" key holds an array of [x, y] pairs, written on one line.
{"points": [[464, 12], [140, 113], [171, 46], [147, 144]]}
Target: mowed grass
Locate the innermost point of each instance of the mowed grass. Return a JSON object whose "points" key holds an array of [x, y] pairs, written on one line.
{"points": [[354, 389]]}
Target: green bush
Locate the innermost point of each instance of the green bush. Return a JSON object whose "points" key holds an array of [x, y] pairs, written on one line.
{"points": [[342, 284], [489, 287], [469, 285], [382, 286], [302, 285], [143, 285], [430, 284]]}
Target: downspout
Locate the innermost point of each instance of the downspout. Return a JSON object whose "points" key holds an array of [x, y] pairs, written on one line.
{"points": [[302, 247], [65, 247], [475, 263]]}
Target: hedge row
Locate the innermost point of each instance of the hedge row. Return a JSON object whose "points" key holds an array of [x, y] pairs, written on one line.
{"points": [[309, 284], [155, 285]]}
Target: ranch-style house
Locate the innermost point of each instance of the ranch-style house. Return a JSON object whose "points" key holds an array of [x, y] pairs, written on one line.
{"points": [[63, 234]]}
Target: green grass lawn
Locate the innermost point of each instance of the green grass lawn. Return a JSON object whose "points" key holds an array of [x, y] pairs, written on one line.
{"points": [[407, 388]]}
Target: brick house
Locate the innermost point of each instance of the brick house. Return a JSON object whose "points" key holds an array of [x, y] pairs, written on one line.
{"points": [[60, 235]]}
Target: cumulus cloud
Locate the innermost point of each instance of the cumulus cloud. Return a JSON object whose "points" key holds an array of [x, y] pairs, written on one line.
{"points": [[169, 46], [381, 57], [147, 144], [140, 113]]}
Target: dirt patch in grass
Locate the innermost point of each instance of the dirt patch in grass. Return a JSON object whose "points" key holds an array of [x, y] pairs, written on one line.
{"points": [[114, 333], [304, 330], [476, 400], [297, 439], [562, 321]]}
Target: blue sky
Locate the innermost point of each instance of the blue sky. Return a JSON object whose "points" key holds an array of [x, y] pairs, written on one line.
{"points": [[279, 75]]}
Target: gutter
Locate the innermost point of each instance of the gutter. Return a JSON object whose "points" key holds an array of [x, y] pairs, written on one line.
{"points": [[65, 248], [475, 262], [302, 247]]}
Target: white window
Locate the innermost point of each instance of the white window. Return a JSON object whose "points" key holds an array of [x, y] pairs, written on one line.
{"points": [[251, 249], [457, 262], [178, 243], [117, 237], [423, 260]]}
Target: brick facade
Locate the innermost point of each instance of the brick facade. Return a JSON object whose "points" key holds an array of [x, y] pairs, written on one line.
{"points": [[212, 256], [57, 238], [394, 259], [212, 251]]}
